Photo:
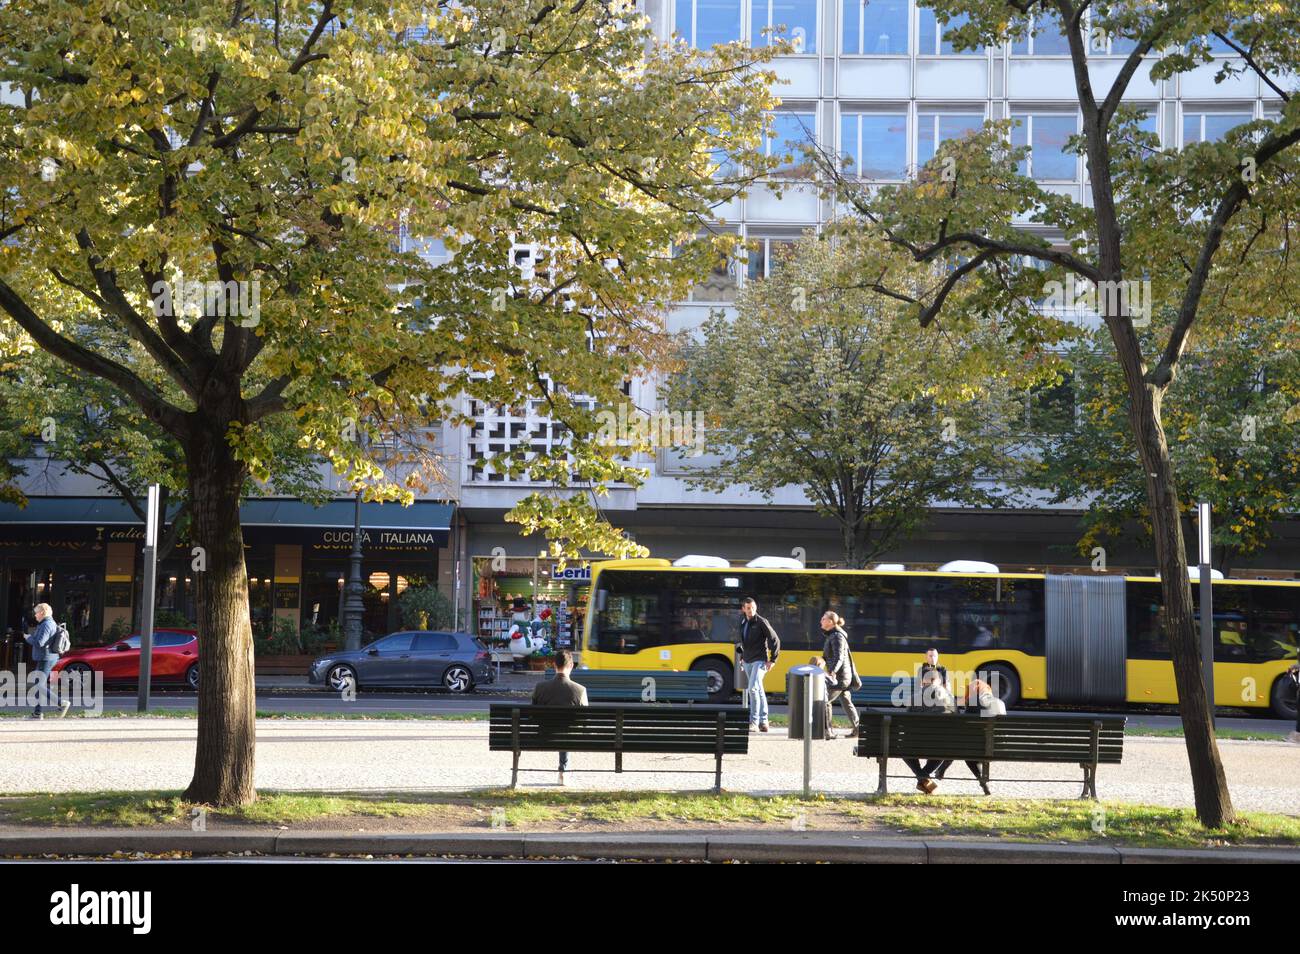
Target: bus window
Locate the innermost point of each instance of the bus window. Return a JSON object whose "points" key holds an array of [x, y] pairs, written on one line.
{"points": [[1231, 622], [917, 628], [1275, 629], [632, 618], [703, 613], [1146, 634]]}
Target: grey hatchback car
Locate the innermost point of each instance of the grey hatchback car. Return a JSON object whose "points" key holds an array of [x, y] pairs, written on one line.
{"points": [[453, 661]]}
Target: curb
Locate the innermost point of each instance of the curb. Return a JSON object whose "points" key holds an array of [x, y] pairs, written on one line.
{"points": [[714, 847]]}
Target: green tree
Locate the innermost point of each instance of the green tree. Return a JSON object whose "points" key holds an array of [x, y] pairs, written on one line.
{"points": [[1231, 436], [824, 384], [80, 423], [198, 206], [1177, 229]]}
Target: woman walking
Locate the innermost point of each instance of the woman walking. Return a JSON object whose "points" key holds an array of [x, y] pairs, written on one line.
{"points": [[840, 674]]}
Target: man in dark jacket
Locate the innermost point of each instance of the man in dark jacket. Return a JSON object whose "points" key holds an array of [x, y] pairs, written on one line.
{"points": [[560, 691], [757, 651]]}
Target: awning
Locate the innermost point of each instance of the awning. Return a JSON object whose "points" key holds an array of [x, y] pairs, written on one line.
{"points": [[390, 525]]}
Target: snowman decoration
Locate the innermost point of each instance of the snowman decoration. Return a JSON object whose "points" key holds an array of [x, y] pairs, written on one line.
{"points": [[527, 638]]}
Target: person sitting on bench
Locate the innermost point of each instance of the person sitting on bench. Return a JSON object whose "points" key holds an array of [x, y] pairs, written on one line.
{"points": [[935, 700], [561, 691], [980, 701]]}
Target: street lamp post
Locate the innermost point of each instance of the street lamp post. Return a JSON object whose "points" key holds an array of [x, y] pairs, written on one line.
{"points": [[353, 606], [1207, 604], [150, 560]]}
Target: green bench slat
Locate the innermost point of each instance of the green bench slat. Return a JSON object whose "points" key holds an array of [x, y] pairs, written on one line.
{"points": [[627, 685]]}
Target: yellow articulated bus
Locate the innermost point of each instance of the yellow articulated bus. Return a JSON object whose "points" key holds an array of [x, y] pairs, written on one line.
{"points": [[1074, 639]]}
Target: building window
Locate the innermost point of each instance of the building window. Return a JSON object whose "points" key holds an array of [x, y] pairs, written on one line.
{"points": [[933, 128], [932, 37], [1047, 135], [765, 256], [877, 27], [704, 23], [1205, 126], [874, 145], [720, 284], [787, 134], [792, 20], [1045, 39]]}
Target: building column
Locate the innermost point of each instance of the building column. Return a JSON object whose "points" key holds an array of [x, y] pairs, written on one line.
{"points": [[119, 584], [286, 584]]}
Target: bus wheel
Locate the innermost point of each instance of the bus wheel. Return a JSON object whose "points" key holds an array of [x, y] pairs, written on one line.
{"points": [[720, 677], [1004, 680], [1282, 700]]}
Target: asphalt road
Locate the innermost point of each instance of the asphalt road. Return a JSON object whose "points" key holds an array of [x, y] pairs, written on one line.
{"points": [[315, 700]]}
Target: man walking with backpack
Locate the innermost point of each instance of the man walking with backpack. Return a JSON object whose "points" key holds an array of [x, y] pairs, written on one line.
{"points": [[45, 642]]}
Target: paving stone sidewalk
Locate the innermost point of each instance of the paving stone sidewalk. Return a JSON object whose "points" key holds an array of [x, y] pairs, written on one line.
{"points": [[333, 755]]}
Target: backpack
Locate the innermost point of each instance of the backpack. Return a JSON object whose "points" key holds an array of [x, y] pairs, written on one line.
{"points": [[61, 642]]}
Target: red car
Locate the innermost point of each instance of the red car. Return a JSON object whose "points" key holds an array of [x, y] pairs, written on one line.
{"points": [[175, 659]]}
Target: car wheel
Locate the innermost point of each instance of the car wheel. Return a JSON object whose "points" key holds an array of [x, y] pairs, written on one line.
{"points": [[80, 672], [341, 678], [1004, 681], [192, 677], [1282, 700], [457, 679], [721, 676]]}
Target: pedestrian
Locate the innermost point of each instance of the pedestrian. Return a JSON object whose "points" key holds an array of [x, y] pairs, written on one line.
{"points": [[935, 700], [43, 640], [757, 651], [1294, 673], [561, 691], [840, 673], [932, 662], [980, 701]]}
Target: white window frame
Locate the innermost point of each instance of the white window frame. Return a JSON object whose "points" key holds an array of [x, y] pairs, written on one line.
{"points": [[939, 28], [746, 8], [934, 112], [1028, 113], [1249, 110], [750, 40], [910, 21], [846, 112]]}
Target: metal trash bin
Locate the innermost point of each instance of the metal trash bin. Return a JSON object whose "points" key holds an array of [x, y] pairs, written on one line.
{"points": [[800, 682]]}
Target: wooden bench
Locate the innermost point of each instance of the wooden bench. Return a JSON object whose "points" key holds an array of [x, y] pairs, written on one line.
{"points": [[703, 730], [1083, 740], [641, 685], [880, 691]]}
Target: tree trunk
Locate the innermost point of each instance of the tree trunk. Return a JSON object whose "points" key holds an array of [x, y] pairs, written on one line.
{"points": [[855, 538], [223, 760], [1209, 784]]}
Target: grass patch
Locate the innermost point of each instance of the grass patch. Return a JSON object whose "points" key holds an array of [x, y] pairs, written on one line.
{"points": [[1075, 821], [1026, 820], [110, 809]]}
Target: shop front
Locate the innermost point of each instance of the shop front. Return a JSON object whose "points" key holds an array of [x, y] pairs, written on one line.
{"points": [[518, 590], [83, 557]]}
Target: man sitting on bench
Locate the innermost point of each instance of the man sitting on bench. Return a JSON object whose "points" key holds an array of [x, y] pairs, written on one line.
{"points": [[561, 691], [935, 700]]}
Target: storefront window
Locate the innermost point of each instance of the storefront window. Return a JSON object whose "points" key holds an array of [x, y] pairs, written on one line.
{"points": [[521, 589]]}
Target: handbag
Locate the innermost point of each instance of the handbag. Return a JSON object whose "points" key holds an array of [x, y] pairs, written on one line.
{"points": [[855, 681]]}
